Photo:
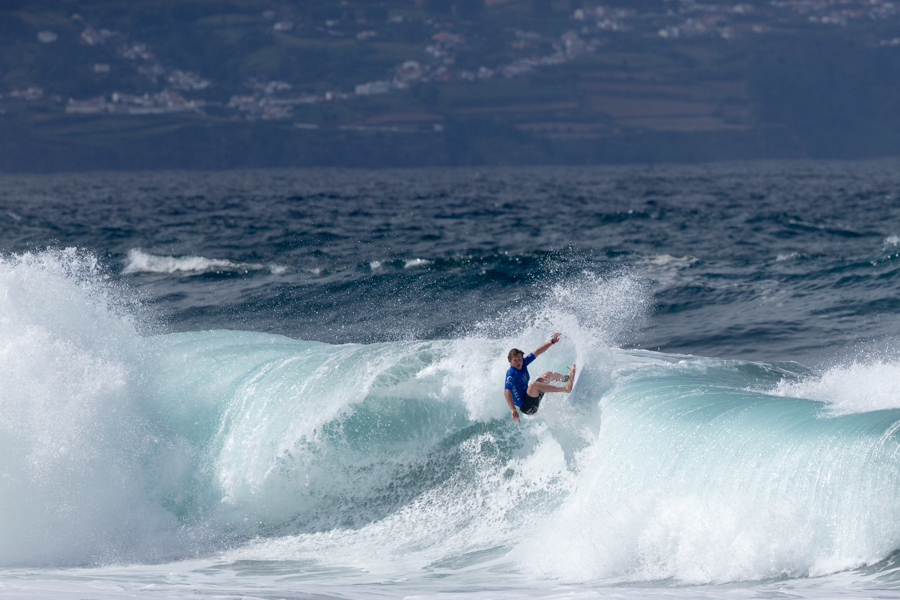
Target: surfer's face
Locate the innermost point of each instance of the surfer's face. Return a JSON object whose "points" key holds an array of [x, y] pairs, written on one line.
{"points": [[516, 361]]}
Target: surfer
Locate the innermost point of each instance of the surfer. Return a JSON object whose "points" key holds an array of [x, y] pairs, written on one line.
{"points": [[525, 396]]}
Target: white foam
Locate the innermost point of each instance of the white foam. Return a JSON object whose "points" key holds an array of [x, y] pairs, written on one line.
{"points": [[855, 388], [470, 513], [662, 260], [139, 261], [72, 488], [891, 241], [416, 262]]}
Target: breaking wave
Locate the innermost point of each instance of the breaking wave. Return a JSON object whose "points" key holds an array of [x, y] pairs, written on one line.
{"points": [[400, 457]]}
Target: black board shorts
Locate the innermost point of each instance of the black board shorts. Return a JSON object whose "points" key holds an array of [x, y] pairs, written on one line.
{"points": [[531, 404]]}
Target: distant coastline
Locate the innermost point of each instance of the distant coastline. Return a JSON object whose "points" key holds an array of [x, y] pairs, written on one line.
{"points": [[394, 84]]}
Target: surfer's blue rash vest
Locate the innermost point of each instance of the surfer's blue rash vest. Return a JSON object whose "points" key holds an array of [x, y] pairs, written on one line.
{"points": [[517, 380]]}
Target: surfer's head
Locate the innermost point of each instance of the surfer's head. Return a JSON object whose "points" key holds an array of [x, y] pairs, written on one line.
{"points": [[515, 358]]}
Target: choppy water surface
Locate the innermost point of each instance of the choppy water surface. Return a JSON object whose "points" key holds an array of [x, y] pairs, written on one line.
{"points": [[287, 383]]}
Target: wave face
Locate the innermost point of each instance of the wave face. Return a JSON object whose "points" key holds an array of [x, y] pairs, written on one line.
{"points": [[700, 477], [400, 458]]}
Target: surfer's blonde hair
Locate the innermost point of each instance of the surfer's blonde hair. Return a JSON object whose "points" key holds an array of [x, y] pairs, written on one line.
{"points": [[514, 353]]}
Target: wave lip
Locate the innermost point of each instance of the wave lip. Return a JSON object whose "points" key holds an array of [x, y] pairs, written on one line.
{"points": [[859, 387], [139, 261]]}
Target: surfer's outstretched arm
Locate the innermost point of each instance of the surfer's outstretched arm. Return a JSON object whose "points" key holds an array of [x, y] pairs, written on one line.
{"points": [[546, 345]]}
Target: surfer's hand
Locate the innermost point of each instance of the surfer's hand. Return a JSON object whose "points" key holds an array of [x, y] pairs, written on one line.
{"points": [[515, 415], [555, 338]]}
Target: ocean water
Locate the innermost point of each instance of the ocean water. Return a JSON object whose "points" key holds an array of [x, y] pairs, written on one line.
{"points": [[288, 384]]}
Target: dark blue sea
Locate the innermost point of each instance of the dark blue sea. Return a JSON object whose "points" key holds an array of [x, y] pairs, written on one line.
{"points": [[289, 384]]}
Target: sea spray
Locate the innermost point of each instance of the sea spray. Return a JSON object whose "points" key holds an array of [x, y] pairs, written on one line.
{"points": [[74, 437], [860, 386]]}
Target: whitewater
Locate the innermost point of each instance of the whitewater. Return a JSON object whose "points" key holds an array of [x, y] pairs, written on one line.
{"points": [[152, 446]]}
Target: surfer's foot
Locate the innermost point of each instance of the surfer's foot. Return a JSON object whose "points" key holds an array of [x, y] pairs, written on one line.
{"points": [[570, 380]]}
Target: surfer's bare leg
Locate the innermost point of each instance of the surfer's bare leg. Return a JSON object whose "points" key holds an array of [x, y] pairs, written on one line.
{"points": [[535, 386], [551, 376], [539, 386]]}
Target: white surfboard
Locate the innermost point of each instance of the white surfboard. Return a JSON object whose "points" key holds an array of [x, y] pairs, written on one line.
{"points": [[579, 369]]}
